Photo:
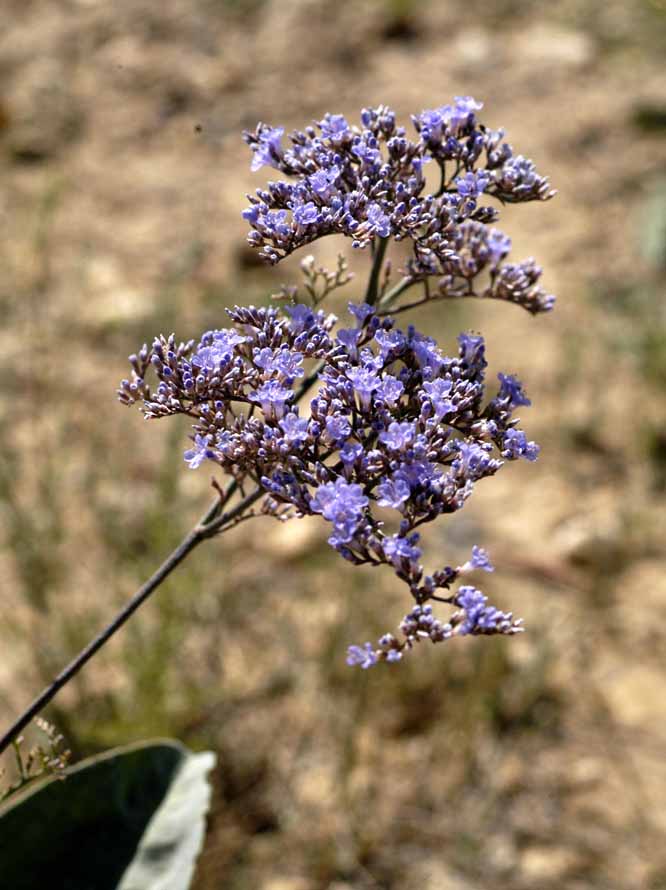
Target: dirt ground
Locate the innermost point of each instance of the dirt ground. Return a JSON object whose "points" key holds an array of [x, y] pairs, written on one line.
{"points": [[533, 763]]}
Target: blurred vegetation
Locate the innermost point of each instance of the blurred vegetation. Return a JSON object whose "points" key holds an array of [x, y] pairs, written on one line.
{"points": [[532, 763]]}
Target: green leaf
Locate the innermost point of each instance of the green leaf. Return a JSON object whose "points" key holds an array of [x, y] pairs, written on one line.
{"points": [[129, 819]]}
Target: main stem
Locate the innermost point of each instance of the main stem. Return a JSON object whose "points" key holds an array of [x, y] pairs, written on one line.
{"points": [[212, 522], [372, 290]]}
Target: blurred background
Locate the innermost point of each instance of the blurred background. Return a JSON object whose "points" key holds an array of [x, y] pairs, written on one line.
{"points": [[525, 763]]}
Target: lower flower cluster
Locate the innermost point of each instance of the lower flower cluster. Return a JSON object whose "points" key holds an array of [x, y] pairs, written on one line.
{"points": [[472, 617], [397, 433]]}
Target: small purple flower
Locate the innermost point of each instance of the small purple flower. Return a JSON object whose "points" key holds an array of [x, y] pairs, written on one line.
{"points": [[393, 493], [349, 338], [322, 181], [437, 391], [342, 503], [512, 390], [479, 560], [379, 221], [295, 428], [334, 125], [360, 311], [367, 154], [515, 445], [390, 390], [399, 436], [302, 317], [471, 185], [306, 214], [272, 397], [194, 457], [397, 549], [217, 347], [462, 111], [338, 428], [426, 352], [350, 453], [499, 246], [365, 382], [473, 461], [472, 351], [481, 618], [282, 361], [390, 341], [269, 149], [364, 657], [418, 474]]}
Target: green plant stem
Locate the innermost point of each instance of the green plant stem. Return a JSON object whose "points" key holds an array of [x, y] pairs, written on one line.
{"points": [[211, 523], [392, 295]]}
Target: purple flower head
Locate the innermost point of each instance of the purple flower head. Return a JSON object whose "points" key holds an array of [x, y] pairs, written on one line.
{"points": [[295, 428], [399, 436], [364, 656], [437, 391], [418, 474], [398, 549], [390, 390], [471, 185], [268, 150], [390, 341], [306, 214], [472, 351], [368, 155], [338, 428], [195, 456], [349, 338], [473, 461], [272, 397], [361, 312], [499, 246], [216, 347], [302, 317], [365, 382], [479, 560], [426, 351], [462, 112], [430, 123], [322, 182], [350, 453], [281, 361], [393, 493], [342, 503], [378, 220], [481, 618], [512, 389], [334, 125], [515, 445]]}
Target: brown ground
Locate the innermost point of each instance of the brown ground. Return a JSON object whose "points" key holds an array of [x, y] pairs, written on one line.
{"points": [[525, 764]]}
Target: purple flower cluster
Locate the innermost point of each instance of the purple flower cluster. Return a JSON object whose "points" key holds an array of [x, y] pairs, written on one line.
{"points": [[368, 182], [397, 432]]}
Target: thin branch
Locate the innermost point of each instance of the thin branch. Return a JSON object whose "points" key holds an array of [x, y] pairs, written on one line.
{"points": [[208, 526], [392, 295]]}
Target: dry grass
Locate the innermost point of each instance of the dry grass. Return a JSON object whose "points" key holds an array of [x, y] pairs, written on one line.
{"points": [[529, 763]]}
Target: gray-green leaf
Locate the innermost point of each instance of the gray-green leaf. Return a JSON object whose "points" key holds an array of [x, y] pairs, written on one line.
{"points": [[128, 819]]}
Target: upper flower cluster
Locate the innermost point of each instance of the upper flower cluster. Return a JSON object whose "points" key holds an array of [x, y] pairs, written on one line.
{"points": [[369, 182]]}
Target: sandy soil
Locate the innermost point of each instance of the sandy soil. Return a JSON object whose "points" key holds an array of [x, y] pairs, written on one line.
{"points": [[528, 764]]}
